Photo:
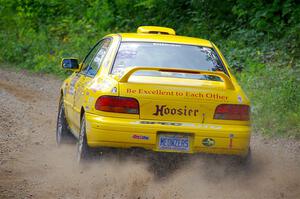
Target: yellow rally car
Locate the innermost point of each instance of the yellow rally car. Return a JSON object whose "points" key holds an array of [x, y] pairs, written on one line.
{"points": [[157, 91]]}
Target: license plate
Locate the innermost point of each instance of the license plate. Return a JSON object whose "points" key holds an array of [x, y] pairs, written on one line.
{"points": [[174, 142]]}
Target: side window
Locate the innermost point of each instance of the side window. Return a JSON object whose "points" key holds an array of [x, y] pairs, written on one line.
{"points": [[94, 59], [98, 59], [87, 60]]}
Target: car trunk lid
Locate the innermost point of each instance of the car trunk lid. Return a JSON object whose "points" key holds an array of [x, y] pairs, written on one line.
{"points": [[177, 99]]}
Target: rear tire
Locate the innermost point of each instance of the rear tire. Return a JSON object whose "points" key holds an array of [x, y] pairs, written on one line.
{"points": [[83, 150], [63, 133], [246, 160]]}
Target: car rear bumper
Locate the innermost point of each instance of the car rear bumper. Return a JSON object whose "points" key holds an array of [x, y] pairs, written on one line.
{"points": [[126, 133]]}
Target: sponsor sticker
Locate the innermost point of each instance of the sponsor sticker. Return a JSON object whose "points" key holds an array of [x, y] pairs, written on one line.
{"points": [[202, 126], [208, 142], [162, 110], [114, 90], [91, 100], [102, 85], [140, 137], [72, 85], [208, 96], [240, 99]]}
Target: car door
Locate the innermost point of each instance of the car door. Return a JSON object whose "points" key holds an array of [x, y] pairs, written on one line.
{"points": [[69, 91], [74, 80], [91, 66]]}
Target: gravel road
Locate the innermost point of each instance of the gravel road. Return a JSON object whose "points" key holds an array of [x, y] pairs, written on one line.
{"points": [[32, 166]]}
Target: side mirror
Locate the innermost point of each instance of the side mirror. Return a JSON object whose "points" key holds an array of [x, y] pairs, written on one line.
{"points": [[70, 64]]}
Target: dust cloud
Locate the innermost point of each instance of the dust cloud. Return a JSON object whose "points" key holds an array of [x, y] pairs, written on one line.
{"points": [[123, 175], [32, 166]]}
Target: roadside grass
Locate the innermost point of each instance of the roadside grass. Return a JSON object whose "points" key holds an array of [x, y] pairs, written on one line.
{"points": [[269, 72], [275, 98]]}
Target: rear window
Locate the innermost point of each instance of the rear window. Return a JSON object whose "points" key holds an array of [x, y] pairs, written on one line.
{"points": [[166, 55]]}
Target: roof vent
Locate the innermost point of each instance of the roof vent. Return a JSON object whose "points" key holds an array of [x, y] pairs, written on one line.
{"points": [[156, 30]]}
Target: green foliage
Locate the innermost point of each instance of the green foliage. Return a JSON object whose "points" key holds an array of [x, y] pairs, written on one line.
{"points": [[261, 38], [275, 97]]}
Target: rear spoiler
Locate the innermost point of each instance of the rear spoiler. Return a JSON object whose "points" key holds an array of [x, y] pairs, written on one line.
{"points": [[228, 83]]}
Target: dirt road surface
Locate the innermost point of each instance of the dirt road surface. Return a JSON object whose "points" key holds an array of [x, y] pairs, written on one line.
{"points": [[31, 165]]}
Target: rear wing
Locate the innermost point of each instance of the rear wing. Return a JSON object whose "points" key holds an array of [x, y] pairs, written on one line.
{"points": [[228, 83]]}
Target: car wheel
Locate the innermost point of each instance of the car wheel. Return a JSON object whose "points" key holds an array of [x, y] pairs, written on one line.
{"points": [[246, 160], [63, 133], [83, 150]]}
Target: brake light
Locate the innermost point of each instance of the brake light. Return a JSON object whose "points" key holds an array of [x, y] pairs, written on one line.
{"points": [[117, 104], [232, 112]]}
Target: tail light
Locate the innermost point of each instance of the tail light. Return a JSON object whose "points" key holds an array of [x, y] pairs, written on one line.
{"points": [[232, 112], [117, 104]]}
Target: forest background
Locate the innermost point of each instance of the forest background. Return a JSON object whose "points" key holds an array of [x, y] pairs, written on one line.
{"points": [[260, 39]]}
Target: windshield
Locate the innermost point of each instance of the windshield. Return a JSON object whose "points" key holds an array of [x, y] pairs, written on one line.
{"points": [[166, 55]]}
